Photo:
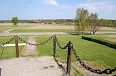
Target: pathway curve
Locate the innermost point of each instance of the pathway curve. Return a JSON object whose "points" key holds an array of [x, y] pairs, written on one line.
{"points": [[51, 33], [30, 49]]}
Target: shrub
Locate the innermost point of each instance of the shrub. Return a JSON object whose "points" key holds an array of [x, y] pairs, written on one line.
{"points": [[101, 41]]}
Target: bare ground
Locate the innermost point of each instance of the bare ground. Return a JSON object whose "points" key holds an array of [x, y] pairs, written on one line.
{"points": [[41, 66], [50, 27], [113, 39]]}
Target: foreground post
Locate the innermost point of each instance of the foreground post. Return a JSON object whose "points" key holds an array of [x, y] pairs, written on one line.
{"points": [[69, 58], [54, 45], [17, 48], [0, 71]]}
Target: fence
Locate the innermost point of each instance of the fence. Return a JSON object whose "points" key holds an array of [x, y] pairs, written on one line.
{"points": [[68, 46]]}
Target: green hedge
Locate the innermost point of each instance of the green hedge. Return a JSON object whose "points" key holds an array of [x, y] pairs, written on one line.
{"points": [[101, 41]]}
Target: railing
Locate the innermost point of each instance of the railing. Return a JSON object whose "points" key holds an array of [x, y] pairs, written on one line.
{"points": [[69, 47]]}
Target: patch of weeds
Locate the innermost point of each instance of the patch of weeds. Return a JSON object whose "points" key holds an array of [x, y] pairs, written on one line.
{"points": [[46, 67]]}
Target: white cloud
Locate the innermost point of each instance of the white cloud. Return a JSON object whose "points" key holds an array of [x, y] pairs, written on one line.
{"points": [[96, 6], [55, 3], [104, 8], [51, 2]]}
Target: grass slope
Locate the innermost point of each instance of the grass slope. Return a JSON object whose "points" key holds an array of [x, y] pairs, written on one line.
{"points": [[87, 51]]}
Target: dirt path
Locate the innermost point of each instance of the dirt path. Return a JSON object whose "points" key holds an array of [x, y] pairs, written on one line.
{"points": [[30, 49], [50, 27], [41, 66]]}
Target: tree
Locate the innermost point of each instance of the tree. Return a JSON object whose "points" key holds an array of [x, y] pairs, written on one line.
{"points": [[94, 23], [15, 21], [81, 19]]}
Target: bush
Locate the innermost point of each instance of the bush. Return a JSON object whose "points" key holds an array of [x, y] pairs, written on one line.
{"points": [[101, 41]]}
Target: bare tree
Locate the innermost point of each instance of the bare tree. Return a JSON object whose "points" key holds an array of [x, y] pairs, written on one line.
{"points": [[94, 23]]}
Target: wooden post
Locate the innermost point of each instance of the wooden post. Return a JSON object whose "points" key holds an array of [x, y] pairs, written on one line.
{"points": [[69, 58], [54, 45], [17, 48], [0, 71]]}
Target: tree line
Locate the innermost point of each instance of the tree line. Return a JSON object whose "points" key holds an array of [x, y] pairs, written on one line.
{"points": [[44, 21]]}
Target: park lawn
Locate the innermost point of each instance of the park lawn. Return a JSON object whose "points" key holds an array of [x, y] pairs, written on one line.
{"points": [[41, 30], [9, 52], [4, 39], [87, 50]]}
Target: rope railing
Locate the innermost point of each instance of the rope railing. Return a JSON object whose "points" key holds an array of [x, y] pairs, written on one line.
{"points": [[59, 43], [106, 71], [2, 46], [71, 49], [36, 44], [10, 40]]}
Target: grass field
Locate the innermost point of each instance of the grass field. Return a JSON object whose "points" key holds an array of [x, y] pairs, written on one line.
{"points": [[34, 27], [9, 52], [89, 52]]}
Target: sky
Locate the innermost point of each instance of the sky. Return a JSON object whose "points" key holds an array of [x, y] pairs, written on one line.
{"points": [[55, 9]]}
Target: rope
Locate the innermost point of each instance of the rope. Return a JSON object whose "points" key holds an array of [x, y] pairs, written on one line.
{"points": [[106, 71], [65, 47], [7, 42], [1, 52], [36, 44]]}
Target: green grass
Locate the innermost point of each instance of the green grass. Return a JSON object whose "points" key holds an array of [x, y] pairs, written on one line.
{"points": [[9, 52], [41, 30], [4, 39], [87, 51]]}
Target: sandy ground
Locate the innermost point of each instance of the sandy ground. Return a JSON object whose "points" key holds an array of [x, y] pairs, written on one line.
{"points": [[41, 66], [50, 27], [64, 27], [113, 39], [106, 28]]}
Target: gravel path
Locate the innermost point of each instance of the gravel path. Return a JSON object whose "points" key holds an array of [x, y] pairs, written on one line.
{"points": [[30, 49], [41, 66], [51, 33]]}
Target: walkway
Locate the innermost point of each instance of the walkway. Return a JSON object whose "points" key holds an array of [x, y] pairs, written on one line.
{"points": [[50, 33], [30, 49]]}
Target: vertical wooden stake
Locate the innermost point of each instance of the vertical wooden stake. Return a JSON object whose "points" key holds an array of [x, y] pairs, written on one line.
{"points": [[69, 58], [17, 48], [0, 71], [54, 45]]}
